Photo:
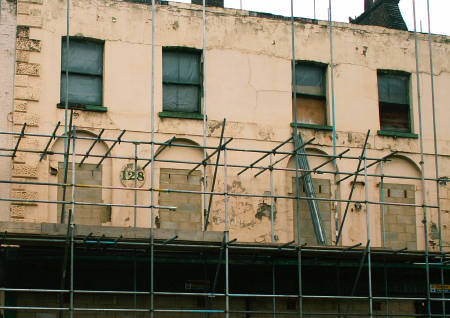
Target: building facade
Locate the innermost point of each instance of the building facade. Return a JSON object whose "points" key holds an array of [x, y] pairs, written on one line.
{"points": [[140, 130]]}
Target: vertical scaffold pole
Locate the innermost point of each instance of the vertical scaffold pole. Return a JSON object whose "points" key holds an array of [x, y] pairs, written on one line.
{"points": [[333, 117], [383, 208], [72, 221], [227, 234], [272, 200], [422, 163], [436, 153], [297, 185], [369, 262], [205, 152], [152, 173]]}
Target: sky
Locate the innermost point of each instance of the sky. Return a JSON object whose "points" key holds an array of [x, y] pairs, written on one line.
{"points": [[343, 9]]}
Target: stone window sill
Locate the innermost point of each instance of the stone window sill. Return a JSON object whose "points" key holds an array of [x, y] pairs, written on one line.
{"points": [[397, 134], [312, 126], [196, 116], [91, 108]]}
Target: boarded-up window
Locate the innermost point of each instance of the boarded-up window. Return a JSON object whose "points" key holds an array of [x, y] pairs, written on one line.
{"points": [[393, 97], [87, 174], [85, 66], [181, 81], [188, 213], [400, 221], [310, 90], [323, 190]]}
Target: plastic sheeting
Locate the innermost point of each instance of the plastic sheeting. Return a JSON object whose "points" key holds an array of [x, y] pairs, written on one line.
{"points": [[309, 79], [86, 57], [393, 88], [84, 89], [182, 81]]}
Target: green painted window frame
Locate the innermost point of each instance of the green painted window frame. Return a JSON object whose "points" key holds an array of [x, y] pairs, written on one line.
{"points": [[166, 113], [320, 96], [392, 132], [79, 105]]}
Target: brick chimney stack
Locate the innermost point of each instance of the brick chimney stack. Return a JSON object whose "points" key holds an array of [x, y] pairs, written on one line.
{"points": [[209, 3], [368, 4]]}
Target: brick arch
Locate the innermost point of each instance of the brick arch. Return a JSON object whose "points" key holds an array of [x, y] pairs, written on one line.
{"points": [[87, 174]]}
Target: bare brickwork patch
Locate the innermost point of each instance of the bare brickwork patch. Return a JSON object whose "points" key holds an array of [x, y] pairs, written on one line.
{"points": [[188, 213]]}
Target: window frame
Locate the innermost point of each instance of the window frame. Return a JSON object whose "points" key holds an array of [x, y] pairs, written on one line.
{"points": [[184, 114], [324, 96], [82, 106], [393, 132]]}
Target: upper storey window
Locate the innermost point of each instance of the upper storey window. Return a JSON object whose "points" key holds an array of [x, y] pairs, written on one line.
{"points": [[182, 81], [85, 67], [393, 98], [310, 79]]}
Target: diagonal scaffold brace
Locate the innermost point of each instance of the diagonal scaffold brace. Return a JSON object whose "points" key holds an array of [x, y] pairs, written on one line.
{"points": [[22, 133], [97, 139], [52, 137], [157, 153], [285, 156], [118, 140], [215, 175]]}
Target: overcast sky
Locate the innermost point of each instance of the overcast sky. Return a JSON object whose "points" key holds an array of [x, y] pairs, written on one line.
{"points": [[343, 9]]}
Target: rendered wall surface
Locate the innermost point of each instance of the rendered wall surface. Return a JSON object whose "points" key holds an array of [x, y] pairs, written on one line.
{"points": [[7, 58], [248, 82]]}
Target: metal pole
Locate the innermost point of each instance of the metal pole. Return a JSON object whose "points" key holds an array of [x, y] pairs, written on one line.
{"points": [[369, 263], [274, 299], [272, 202], [227, 234], [333, 116], [297, 186], [72, 225], [152, 173], [436, 155], [422, 163], [205, 153], [383, 226], [135, 216]]}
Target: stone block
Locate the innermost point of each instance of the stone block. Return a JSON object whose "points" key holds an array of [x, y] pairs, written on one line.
{"points": [[30, 1], [17, 211], [27, 69], [23, 31], [29, 20], [26, 93], [24, 195], [32, 120], [21, 80], [24, 171], [169, 225], [26, 44], [23, 8], [22, 56]]}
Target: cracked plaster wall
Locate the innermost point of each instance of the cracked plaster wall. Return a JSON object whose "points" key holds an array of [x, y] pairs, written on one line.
{"points": [[248, 81]]}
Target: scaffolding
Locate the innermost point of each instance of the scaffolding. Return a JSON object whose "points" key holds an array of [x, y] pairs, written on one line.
{"points": [[295, 253]]}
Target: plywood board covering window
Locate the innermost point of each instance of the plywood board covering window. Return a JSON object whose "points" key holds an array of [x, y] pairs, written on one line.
{"points": [[310, 93], [188, 213], [84, 214], [323, 190], [393, 98]]}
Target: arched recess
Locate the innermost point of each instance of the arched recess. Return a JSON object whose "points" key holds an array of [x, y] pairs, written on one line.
{"points": [[400, 225], [88, 173], [175, 176], [323, 188]]}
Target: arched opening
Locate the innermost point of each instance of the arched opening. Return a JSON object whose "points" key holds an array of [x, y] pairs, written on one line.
{"points": [[178, 177], [322, 189], [399, 223], [91, 176]]}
